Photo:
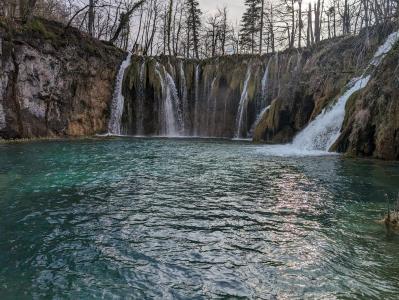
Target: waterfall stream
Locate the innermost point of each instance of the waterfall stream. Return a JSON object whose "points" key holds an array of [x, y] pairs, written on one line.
{"points": [[170, 113], [140, 98], [196, 105], [118, 101], [325, 129], [183, 93], [242, 108]]}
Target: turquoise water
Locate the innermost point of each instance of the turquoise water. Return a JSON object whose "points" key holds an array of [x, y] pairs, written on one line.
{"points": [[192, 219]]}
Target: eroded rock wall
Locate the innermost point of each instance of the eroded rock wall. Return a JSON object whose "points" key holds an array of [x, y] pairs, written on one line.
{"points": [[54, 83]]}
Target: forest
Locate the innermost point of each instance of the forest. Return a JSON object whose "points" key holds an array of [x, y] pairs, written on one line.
{"points": [[180, 28]]}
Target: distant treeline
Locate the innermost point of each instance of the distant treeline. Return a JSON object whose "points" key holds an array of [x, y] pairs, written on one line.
{"points": [[179, 28]]}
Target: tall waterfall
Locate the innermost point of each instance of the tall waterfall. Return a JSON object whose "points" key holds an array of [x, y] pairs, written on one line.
{"points": [[140, 98], [170, 118], [118, 101], [265, 79], [242, 108], [196, 104], [323, 131], [183, 93], [211, 100], [3, 123]]}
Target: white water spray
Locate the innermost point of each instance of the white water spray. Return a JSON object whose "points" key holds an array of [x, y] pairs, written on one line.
{"points": [[118, 101]]}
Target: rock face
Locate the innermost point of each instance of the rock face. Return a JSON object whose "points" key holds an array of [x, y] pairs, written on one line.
{"points": [[54, 83], [371, 126]]}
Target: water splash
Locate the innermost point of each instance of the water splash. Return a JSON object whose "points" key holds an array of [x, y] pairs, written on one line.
{"points": [[118, 101], [242, 108]]}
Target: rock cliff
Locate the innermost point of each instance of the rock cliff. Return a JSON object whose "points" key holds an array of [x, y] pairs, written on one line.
{"points": [[54, 82]]}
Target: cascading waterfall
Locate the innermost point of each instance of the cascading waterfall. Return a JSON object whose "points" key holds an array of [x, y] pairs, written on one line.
{"points": [[175, 100], [265, 79], [196, 105], [210, 97], [167, 117], [242, 106], [214, 108], [3, 123], [183, 93], [140, 97], [323, 131], [263, 112], [118, 101], [264, 87]]}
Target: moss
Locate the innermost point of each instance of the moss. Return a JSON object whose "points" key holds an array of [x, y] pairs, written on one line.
{"points": [[37, 26], [350, 108]]}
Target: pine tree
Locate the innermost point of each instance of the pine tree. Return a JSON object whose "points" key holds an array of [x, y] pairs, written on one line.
{"points": [[193, 25], [250, 24]]}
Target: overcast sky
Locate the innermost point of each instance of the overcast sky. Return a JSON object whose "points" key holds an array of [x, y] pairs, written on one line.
{"points": [[235, 7]]}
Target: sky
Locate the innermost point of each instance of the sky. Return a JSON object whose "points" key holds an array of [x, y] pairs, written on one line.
{"points": [[235, 7]]}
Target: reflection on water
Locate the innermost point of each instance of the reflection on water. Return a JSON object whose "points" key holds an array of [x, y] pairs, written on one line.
{"points": [[158, 218]]}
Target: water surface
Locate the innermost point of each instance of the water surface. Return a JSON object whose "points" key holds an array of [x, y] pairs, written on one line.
{"points": [[192, 219]]}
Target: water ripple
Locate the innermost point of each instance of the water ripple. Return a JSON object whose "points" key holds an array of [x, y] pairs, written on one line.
{"points": [[187, 219]]}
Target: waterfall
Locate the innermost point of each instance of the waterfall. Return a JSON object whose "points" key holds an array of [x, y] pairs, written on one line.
{"points": [[3, 123], [242, 108], [263, 112], [323, 131], [140, 98], [171, 121], [265, 79], [209, 108], [196, 105], [214, 108], [118, 101], [183, 93]]}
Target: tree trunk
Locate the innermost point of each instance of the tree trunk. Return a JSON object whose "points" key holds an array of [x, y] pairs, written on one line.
{"points": [[300, 24], [26, 9], [292, 39], [170, 12], [91, 18], [125, 18], [262, 16]]}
